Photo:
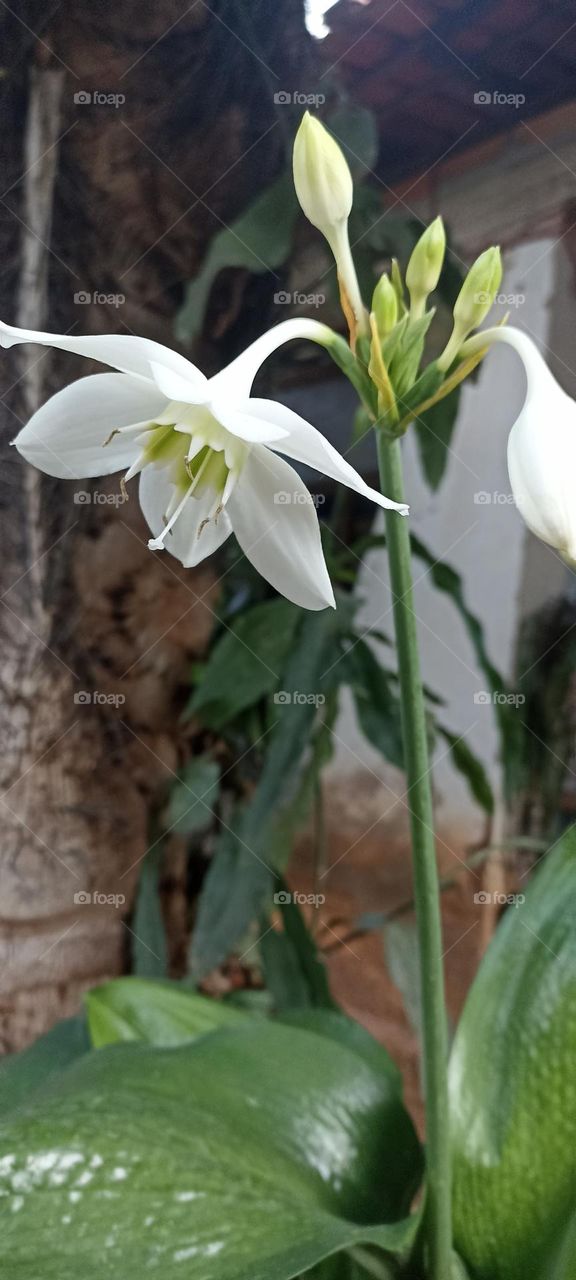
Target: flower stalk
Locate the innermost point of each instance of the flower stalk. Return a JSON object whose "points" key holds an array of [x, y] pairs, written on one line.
{"points": [[437, 1217]]}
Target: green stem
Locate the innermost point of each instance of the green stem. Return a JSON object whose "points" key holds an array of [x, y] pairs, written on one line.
{"points": [[437, 1222]]}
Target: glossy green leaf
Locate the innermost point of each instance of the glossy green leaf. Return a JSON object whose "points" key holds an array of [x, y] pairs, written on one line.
{"points": [[335, 1025], [246, 662], [250, 1155], [159, 1013], [259, 240], [513, 1088]]}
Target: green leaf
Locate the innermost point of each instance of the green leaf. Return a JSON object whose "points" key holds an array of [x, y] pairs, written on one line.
{"points": [[403, 960], [193, 797], [148, 935], [354, 369], [377, 706], [446, 579], [252, 847], [513, 1088], [434, 431], [259, 240], [402, 352], [246, 662], [252, 1154], [160, 1013], [293, 969], [470, 767], [21, 1074], [337, 1026]]}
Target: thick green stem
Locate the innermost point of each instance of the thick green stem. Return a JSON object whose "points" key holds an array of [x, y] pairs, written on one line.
{"points": [[438, 1235]]}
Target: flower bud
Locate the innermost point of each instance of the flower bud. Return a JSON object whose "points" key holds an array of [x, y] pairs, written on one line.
{"points": [[425, 265], [385, 306], [479, 290], [322, 178], [324, 188], [474, 301]]}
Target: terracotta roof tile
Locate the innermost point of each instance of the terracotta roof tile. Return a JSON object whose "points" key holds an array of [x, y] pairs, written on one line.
{"points": [[419, 63]]}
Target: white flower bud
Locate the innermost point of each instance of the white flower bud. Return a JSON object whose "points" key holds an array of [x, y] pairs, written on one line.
{"points": [[322, 178]]}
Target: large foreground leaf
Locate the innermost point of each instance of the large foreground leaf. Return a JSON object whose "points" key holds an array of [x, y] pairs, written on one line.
{"points": [[250, 1155], [513, 1089]]}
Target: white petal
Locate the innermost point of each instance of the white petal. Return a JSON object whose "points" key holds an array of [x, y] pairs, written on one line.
{"points": [[155, 494], [190, 540], [190, 389], [541, 447], [65, 437], [237, 378], [124, 351], [542, 468], [281, 537], [306, 444], [241, 423]]}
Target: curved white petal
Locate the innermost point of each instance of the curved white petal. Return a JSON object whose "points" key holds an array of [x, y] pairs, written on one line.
{"points": [[189, 389], [306, 444], [237, 378], [155, 493], [242, 423], [542, 468], [541, 446], [65, 438], [275, 522], [190, 540], [124, 351]]}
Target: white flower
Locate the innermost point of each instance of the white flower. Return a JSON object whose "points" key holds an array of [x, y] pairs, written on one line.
{"points": [[206, 451], [541, 446]]}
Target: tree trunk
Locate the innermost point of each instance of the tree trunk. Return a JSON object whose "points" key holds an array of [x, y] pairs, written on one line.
{"points": [[104, 198]]}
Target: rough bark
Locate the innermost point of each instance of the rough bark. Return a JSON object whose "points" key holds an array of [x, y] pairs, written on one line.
{"points": [[85, 605]]}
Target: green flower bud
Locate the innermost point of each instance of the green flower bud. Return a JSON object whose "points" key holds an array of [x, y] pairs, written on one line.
{"points": [[425, 265], [385, 306], [479, 290], [474, 301], [322, 178]]}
